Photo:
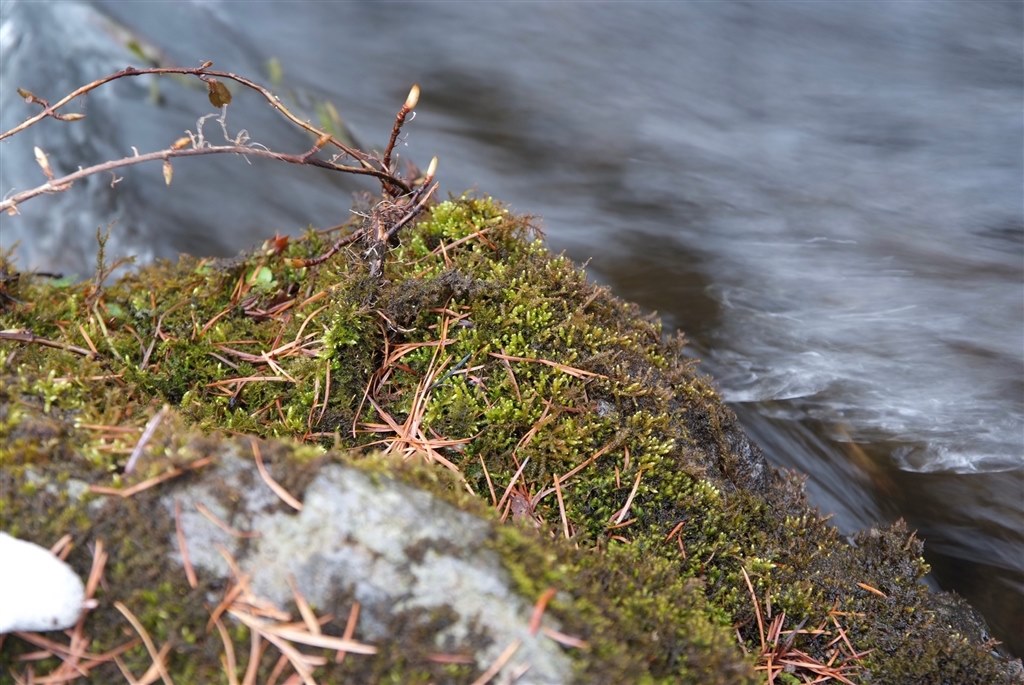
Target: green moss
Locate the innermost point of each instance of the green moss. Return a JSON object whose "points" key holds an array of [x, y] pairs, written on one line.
{"points": [[477, 335]]}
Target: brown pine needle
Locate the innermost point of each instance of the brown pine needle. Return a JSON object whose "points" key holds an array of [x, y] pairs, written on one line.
{"points": [[275, 673], [190, 572], [233, 532], [153, 672], [248, 379], [490, 485], [209, 324], [757, 608], [539, 609], [450, 658], [318, 640], [77, 664], [156, 655], [565, 640], [629, 500], [229, 661], [147, 435], [677, 533], [590, 460], [571, 370], [283, 494], [302, 663], [128, 675], [327, 392], [872, 590], [88, 340], [499, 663], [308, 615], [256, 649], [350, 630], [152, 482], [512, 483], [561, 507], [62, 548]]}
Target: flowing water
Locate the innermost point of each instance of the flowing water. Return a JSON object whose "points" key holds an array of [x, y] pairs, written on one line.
{"points": [[827, 198]]}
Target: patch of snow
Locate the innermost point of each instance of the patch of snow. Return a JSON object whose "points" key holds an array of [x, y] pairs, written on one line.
{"points": [[38, 591]]}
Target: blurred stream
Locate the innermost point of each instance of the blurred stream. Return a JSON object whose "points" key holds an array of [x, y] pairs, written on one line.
{"points": [[826, 197]]}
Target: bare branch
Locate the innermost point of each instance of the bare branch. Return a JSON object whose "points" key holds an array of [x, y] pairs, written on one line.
{"points": [[205, 74], [58, 185], [30, 337], [403, 199], [410, 103]]}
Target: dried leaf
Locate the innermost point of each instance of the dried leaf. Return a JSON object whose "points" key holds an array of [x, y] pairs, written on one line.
{"points": [[43, 162], [219, 93], [168, 172]]}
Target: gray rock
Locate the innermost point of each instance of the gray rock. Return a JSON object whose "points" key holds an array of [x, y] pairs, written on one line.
{"points": [[402, 553]]}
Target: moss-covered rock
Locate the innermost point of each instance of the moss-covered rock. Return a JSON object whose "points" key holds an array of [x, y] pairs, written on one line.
{"points": [[503, 387]]}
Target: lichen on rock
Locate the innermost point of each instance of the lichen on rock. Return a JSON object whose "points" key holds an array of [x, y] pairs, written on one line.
{"points": [[501, 464]]}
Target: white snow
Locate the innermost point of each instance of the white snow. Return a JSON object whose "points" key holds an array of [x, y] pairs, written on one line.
{"points": [[38, 591]]}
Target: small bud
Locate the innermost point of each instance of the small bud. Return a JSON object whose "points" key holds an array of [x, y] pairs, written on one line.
{"points": [[168, 172], [323, 140], [181, 143], [432, 167], [43, 162], [414, 96], [74, 116], [207, 64]]}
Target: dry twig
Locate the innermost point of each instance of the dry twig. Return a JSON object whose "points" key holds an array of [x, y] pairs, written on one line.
{"points": [[403, 200]]}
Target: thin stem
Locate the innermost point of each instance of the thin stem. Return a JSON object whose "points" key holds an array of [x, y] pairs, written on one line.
{"points": [[204, 73], [61, 184]]}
